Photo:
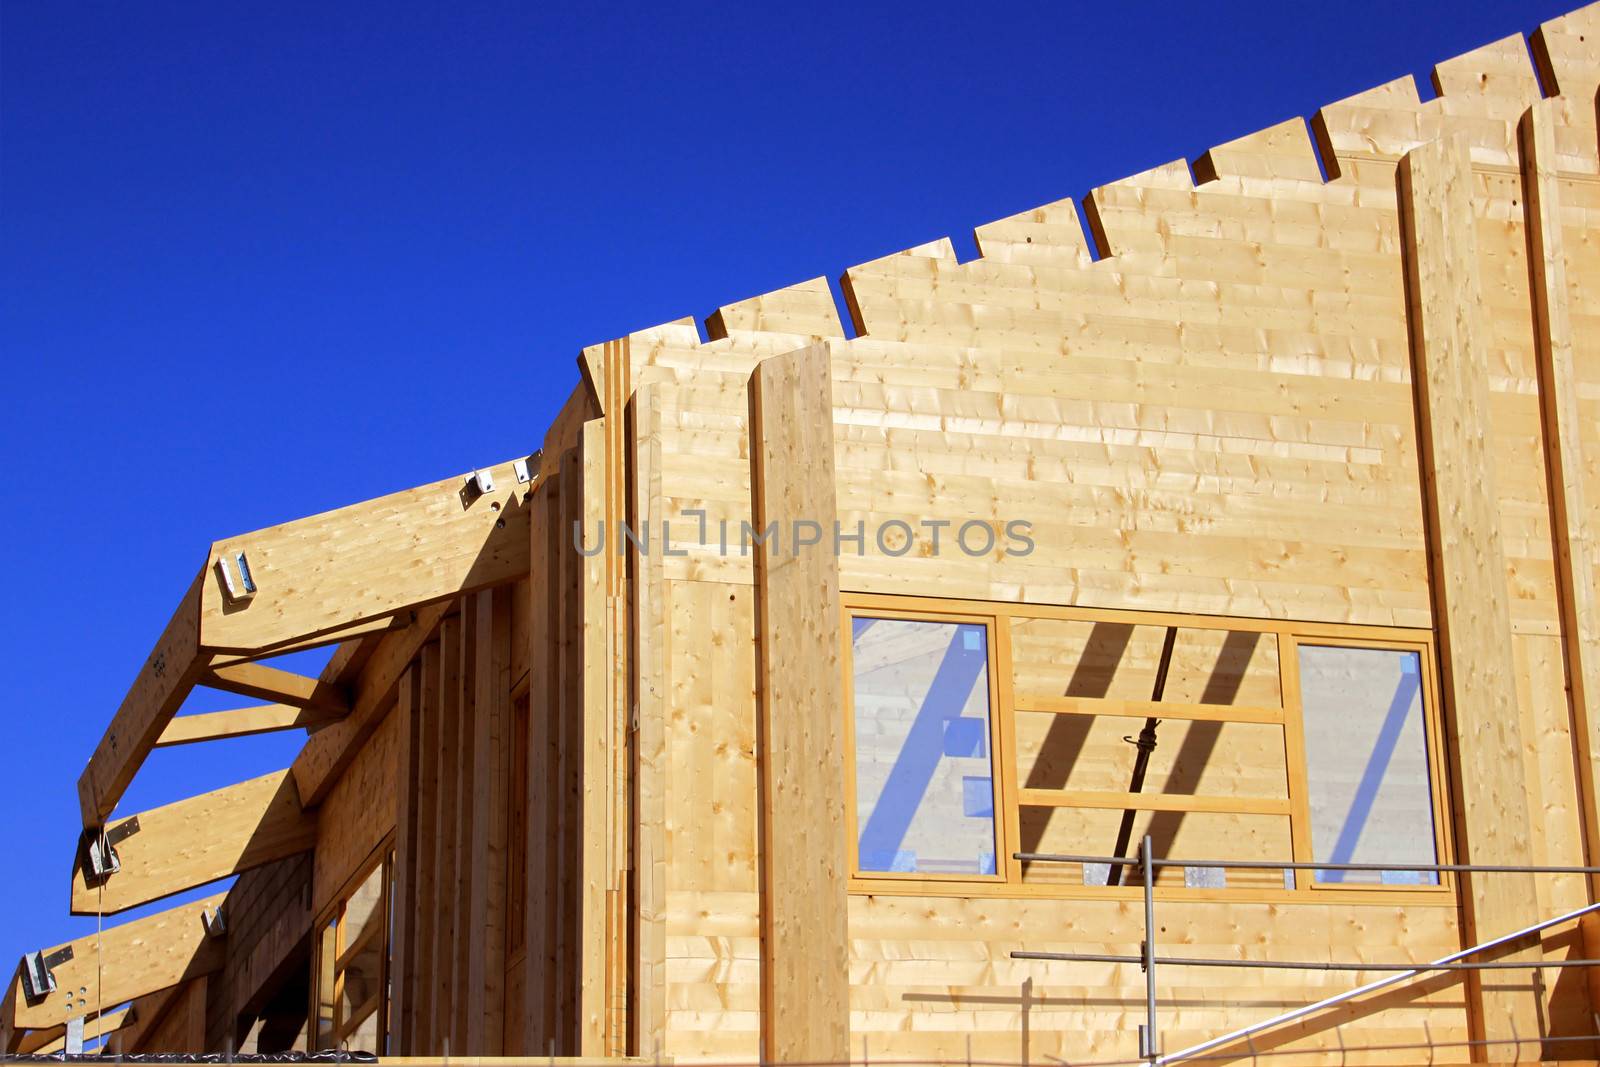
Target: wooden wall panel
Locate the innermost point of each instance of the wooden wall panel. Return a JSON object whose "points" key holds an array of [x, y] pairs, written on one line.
{"points": [[800, 736], [358, 814], [711, 816], [182, 1026], [1215, 417], [1468, 563]]}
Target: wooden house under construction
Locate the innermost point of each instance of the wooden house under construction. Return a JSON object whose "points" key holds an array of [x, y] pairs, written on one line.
{"points": [[830, 695]]}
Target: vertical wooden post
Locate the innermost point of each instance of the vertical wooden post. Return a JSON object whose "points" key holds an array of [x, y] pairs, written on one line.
{"points": [[465, 998], [596, 791], [541, 986], [1563, 453], [1467, 568], [491, 753], [427, 856], [651, 766], [446, 922], [805, 986], [570, 746], [408, 706]]}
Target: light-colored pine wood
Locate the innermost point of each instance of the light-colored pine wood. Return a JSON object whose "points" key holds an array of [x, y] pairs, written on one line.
{"points": [[263, 682], [241, 722], [465, 999], [542, 986], [160, 689], [358, 815], [651, 609], [318, 575], [448, 924], [596, 741], [804, 950], [491, 756], [409, 760], [1468, 563], [424, 991], [124, 962], [1564, 452], [198, 840], [54, 1039], [329, 752]]}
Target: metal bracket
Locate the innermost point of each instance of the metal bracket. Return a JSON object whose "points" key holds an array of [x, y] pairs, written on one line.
{"points": [[527, 470], [74, 1042], [237, 582], [214, 921], [38, 977], [100, 859], [98, 853]]}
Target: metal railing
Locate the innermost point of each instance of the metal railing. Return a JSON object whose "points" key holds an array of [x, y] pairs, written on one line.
{"points": [[1149, 1034]]}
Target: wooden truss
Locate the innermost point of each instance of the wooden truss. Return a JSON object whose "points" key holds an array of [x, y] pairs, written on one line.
{"points": [[375, 578], [321, 580], [114, 967]]}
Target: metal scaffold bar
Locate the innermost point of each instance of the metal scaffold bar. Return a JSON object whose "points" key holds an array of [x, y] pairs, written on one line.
{"points": [[1286, 865]]}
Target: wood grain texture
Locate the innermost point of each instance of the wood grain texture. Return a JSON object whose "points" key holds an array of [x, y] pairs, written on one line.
{"points": [[596, 738], [373, 559], [240, 722], [358, 814], [652, 775], [491, 756], [805, 977], [1565, 466], [261, 681], [124, 962], [408, 713], [329, 752], [160, 689], [1467, 560], [198, 840]]}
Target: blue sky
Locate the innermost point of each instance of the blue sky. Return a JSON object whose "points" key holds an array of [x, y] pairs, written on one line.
{"points": [[258, 261]]}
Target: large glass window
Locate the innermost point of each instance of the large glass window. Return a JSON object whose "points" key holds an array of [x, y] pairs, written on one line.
{"points": [[925, 794], [1002, 746], [350, 972], [1367, 775]]}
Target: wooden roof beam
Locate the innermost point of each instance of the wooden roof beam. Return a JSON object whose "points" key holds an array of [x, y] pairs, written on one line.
{"points": [[180, 846], [261, 682], [54, 1038], [120, 964], [318, 580], [240, 722], [330, 572], [172, 669]]}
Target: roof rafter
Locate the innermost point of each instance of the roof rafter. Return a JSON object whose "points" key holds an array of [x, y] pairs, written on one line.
{"points": [[120, 964], [316, 581], [240, 722], [262, 682], [180, 846]]}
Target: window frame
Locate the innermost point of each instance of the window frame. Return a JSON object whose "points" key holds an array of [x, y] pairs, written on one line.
{"points": [[380, 928], [998, 746], [1004, 705], [1433, 741]]}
